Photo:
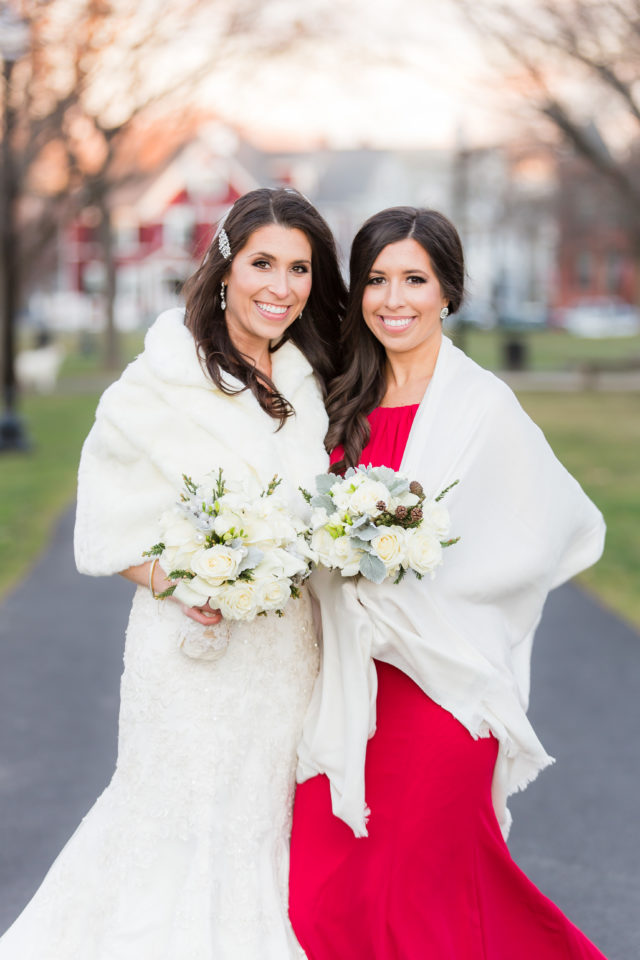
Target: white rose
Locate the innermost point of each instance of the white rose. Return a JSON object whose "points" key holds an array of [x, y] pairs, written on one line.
{"points": [[278, 563], [390, 546], [177, 531], [273, 594], [181, 540], [424, 552], [173, 559], [218, 563], [292, 563], [227, 520], [322, 543], [272, 506], [341, 493], [270, 567], [258, 532], [406, 499], [345, 556], [436, 517], [233, 500], [302, 548], [319, 517], [238, 601], [193, 593], [365, 498]]}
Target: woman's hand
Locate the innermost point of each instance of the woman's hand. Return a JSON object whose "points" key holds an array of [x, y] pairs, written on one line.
{"points": [[140, 574], [203, 614]]}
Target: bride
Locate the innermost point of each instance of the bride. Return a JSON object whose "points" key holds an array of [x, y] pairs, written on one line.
{"points": [[185, 854]]}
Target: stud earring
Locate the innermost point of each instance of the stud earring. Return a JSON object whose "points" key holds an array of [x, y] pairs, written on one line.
{"points": [[223, 302], [444, 313]]}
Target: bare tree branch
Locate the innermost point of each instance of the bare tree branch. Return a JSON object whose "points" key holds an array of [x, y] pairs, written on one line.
{"points": [[546, 40]]}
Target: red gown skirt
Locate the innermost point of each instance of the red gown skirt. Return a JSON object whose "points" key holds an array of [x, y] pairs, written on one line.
{"points": [[434, 879]]}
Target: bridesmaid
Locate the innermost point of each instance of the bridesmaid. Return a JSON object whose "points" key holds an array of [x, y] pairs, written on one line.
{"points": [[417, 730]]}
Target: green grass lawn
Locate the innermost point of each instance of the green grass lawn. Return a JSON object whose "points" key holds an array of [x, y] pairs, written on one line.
{"points": [[597, 437], [546, 349], [84, 353], [36, 486]]}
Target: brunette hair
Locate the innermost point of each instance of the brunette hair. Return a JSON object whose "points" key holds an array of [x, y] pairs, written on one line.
{"points": [[361, 384], [315, 333]]}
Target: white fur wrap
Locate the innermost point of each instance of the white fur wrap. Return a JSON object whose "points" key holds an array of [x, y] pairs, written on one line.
{"points": [[164, 417]]}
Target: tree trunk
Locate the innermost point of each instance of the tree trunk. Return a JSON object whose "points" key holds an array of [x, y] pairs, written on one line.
{"points": [[105, 233], [636, 266]]}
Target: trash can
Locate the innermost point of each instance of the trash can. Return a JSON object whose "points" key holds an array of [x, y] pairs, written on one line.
{"points": [[515, 354]]}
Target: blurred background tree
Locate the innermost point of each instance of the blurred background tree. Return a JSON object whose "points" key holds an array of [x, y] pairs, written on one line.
{"points": [[93, 71], [576, 61]]}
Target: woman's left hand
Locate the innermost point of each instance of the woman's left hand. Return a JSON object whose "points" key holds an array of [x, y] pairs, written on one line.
{"points": [[141, 574], [203, 614]]}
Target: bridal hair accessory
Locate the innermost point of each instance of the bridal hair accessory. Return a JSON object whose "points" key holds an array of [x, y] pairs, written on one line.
{"points": [[444, 313], [223, 244], [223, 301], [222, 237]]}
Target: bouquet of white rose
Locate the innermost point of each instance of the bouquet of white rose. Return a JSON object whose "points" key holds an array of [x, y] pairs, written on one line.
{"points": [[232, 544], [375, 522]]}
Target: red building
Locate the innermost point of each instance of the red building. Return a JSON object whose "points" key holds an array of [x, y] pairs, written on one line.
{"points": [[598, 242]]}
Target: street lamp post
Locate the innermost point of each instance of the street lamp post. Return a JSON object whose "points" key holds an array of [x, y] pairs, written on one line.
{"points": [[14, 37]]}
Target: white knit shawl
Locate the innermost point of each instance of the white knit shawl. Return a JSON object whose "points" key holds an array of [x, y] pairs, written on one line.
{"points": [[164, 417], [464, 637]]}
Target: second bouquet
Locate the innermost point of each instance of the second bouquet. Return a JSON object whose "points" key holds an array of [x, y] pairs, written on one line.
{"points": [[234, 545], [377, 523]]}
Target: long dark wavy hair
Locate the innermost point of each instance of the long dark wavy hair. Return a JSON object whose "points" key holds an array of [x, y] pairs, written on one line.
{"points": [[361, 384], [316, 333]]}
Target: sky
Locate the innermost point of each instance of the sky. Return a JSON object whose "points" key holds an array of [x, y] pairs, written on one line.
{"points": [[341, 73], [384, 74]]}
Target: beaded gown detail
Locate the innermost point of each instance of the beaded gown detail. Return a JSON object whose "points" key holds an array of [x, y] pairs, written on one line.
{"points": [[434, 878], [185, 854]]}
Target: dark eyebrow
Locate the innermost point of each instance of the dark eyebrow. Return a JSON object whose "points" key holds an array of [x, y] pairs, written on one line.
{"points": [[406, 273], [269, 256]]}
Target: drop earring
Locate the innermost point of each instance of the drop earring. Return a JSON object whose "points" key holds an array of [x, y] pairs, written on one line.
{"points": [[223, 302], [444, 313]]}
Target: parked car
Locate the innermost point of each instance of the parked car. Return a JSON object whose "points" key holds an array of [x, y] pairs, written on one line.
{"points": [[602, 317]]}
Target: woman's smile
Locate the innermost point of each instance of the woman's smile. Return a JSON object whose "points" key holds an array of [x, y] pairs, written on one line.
{"points": [[396, 323], [272, 311]]}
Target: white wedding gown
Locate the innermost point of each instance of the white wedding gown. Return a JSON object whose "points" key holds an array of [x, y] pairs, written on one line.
{"points": [[185, 854]]}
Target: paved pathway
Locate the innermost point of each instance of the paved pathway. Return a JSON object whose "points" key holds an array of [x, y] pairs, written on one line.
{"points": [[576, 831]]}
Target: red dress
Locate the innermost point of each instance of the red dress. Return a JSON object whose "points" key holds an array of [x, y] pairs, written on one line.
{"points": [[434, 879]]}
